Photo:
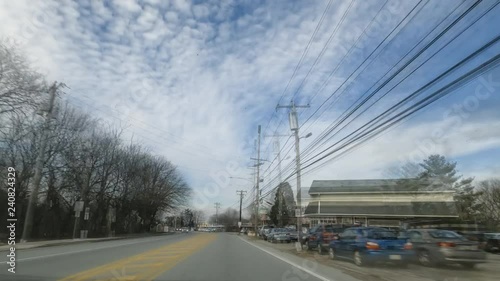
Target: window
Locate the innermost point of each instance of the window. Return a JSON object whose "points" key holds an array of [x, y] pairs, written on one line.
{"points": [[380, 233], [445, 234]]}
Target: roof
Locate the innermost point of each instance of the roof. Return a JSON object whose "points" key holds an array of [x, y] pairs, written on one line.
{"points": [[369, 185], [377, 209]]}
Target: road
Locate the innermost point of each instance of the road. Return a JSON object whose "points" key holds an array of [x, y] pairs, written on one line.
{"points": [[191, 256], [210, 256]]}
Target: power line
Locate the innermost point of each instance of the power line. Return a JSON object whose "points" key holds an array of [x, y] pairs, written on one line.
{"points": [[385, 39], [322, 52], [368, 57], [304, 53], [422, 50], [456, 66], [460, 82]]}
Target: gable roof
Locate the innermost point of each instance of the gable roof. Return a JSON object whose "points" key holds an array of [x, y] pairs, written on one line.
{"points": [[371, 185]]}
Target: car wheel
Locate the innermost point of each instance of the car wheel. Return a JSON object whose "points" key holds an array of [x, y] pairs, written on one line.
{"points": [[424, 258], [468, 265], [331, 253], [358, 259]]}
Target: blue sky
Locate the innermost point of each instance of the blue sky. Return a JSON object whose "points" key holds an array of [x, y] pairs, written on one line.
{"points": [[192, 80]]}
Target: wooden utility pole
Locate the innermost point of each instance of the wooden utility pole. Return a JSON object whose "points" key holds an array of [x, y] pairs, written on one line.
{"points": [[294, 126], [40, 161]]}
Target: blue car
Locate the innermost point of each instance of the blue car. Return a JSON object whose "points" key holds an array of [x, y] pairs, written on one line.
{"points": [[369, 245]]}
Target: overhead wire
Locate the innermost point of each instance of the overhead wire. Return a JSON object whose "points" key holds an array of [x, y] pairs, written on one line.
{"points": [[316, 61], [299, 63], [417, 109], [341, 61], [456, 66], [457, 83], [347, 114], [381, 43], [378, 46]]}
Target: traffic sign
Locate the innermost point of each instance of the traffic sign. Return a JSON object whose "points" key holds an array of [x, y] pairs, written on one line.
{"points": [[87, 213], [79, 206]]}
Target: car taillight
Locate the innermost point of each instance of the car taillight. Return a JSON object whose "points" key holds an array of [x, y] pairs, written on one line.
{"points": [[372, 246], [408, 246], [446, 244]]}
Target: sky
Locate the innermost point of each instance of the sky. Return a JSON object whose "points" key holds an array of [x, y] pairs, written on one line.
{"points": [[193, 80]]}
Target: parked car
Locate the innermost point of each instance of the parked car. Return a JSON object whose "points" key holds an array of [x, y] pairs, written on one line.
{"points": [[272, 232], [369, 245], [492, 242], [320, 236], [280, 235], [294, 235], [436, 246], [266, 232], [263, 230]]}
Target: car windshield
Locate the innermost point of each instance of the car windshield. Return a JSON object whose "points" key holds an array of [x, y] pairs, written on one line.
{"points": [[443, 234]]}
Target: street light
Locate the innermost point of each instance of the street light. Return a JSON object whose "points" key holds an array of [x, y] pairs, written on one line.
{"points": [[306, 136]]}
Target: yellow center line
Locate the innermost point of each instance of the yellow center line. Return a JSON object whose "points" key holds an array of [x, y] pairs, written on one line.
{"points": [[147, 265]]}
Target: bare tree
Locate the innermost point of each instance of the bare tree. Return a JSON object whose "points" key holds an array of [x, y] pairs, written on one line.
{"points": [[488, 198], [20, 86]]}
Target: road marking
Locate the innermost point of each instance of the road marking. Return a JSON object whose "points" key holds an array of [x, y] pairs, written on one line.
{"points": [[82, 251], [147, 265], [288, 261]]}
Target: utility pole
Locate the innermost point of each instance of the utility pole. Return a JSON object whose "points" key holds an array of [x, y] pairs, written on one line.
{"points": [[49, 114], [277, 148], [217, 206], [257, 193], [294, 126], [241, 193]]}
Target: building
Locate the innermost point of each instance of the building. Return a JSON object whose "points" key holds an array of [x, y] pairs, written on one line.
{"points": [[379, 202]]}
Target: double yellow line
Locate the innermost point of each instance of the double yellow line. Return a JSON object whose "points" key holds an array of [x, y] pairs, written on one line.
{"points": [[147, 265]]}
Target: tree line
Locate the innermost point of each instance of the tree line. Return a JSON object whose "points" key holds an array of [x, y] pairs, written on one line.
{"points": [[126, 187]]}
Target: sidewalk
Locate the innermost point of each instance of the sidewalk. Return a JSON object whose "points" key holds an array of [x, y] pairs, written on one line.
{"points": [[46, 243]]}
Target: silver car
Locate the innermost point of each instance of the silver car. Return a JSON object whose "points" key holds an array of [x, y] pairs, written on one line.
{"points": [[436, 246]]}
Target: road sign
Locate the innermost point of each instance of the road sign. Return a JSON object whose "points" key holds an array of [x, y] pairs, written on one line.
{"points": [[297, 212], [77, 214], [87, 213], [79, 206], [239, 224]]}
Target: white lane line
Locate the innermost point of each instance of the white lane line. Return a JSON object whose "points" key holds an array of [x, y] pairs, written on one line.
{"points": [[288, 261], [81, 251]]}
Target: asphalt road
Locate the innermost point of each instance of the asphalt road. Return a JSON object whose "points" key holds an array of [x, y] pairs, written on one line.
{"points": [[192, 256]]}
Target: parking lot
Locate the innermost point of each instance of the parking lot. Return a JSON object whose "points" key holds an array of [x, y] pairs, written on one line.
{"points": [[488, 271]]}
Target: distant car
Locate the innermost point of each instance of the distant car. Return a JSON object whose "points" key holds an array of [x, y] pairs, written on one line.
{"points": [[369, 245], [492, 242], [320, 236], [436, 246]]}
